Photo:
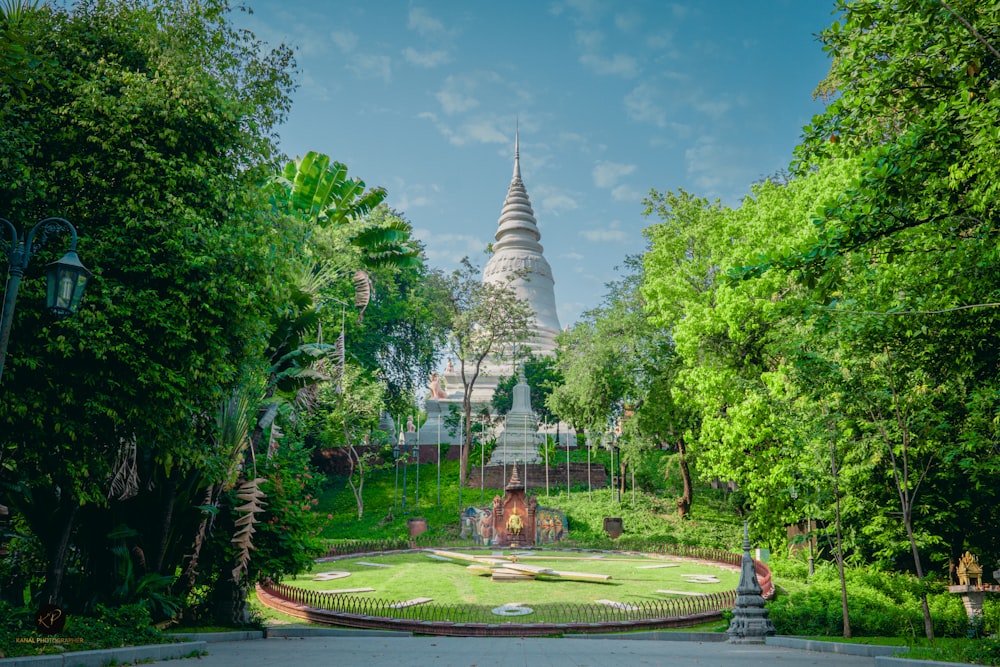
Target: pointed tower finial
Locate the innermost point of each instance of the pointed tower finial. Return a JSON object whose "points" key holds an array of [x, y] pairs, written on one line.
{"points": [[517, 151]]}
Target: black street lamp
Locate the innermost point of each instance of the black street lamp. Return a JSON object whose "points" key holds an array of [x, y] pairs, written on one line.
{"points": [[67, 278], [395, 460], [406, 453]]}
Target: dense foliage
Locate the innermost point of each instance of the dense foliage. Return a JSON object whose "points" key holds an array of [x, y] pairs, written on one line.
{"points": [[150, 127], [837, 330]]}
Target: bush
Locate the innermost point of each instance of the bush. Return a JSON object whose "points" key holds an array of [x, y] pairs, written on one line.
{"points": [[108, 627], [882, 604]]}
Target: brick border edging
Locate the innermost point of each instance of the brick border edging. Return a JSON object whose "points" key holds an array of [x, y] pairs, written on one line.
{"points": [[441, 628]]}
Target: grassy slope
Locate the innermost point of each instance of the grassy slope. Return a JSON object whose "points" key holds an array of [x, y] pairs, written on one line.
{"points": [[651, 516]]}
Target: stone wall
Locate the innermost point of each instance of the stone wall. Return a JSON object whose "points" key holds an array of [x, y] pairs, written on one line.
{"points": [[534, 476]]}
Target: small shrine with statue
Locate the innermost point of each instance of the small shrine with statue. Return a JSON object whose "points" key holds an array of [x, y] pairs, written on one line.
{"points": [[970, 584], [515, 520]]}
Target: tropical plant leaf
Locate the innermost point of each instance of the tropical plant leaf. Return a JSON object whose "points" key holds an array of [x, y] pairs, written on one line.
{"points": [[321, 190], [125, 481], [362, 292], [210, 509], [253, 503], [339, 357], [388, 244], [234, 423]]}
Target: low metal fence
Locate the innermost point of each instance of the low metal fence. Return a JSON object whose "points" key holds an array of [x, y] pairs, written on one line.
{"points": [[545, 613]]}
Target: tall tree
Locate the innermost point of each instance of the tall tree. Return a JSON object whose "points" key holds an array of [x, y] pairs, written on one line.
{"points": [[486, 320], [150, 128]]}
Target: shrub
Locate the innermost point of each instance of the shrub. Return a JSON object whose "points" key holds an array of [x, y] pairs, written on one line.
{"points": [[879, 603]]}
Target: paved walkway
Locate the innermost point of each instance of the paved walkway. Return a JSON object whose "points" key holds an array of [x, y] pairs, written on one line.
{"points": [[504, 652]]}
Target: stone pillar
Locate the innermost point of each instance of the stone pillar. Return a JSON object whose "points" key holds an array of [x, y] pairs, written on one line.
{"points": [[750, 623]]}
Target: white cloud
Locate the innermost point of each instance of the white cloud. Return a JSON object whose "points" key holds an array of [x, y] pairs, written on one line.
{"points": [[478, 131], [314, 86], [628, 21], [408, 196], [426, 59], [617, 65], [449, 249], [345, 40], [553, 201], [457, 94], [406, 204], [483, 131], [713, 108], [589, 40], [425, 24], [627, 193], [608, 174], [374, 66], [556, 203], [680, 11], [572, 256], [588, 8], [641, 105], [452, 101], [721, 170], [660, 41], [611, 234]]}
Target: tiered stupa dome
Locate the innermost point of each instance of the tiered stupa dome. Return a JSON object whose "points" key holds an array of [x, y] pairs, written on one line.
{"points": [[518, 253]]}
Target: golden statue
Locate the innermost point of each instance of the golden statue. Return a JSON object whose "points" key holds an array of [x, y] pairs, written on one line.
{"points": [[515, 523]]}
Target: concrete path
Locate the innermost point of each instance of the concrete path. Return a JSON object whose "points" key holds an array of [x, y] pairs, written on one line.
{"points": [[504, 652]]}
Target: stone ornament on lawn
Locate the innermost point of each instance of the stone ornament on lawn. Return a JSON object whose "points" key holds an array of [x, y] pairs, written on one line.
{"points": [[750, 623]]}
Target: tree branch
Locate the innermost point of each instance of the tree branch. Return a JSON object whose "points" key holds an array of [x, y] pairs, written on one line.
{"points": [[972, 29]]}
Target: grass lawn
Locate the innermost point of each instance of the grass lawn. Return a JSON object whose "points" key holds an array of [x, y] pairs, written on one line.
{"points": [[417, 574]]}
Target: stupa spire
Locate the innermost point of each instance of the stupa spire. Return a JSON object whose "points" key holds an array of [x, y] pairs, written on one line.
{"points": [[517, 153], [517, 258]]}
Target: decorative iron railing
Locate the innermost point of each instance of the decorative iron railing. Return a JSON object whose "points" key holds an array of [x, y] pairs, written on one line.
{"points": [[354, 547], [472, 620], [354, 608]]}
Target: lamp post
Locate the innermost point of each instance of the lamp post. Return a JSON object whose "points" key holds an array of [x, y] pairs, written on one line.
{"points": [[405, 451], [416, 450], [67, 277], [395, 460]]}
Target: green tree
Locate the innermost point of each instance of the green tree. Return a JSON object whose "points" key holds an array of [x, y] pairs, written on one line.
{"points": [[150, 129], [485, 319], [541, 374]]}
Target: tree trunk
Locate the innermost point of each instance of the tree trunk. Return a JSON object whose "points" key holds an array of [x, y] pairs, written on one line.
{"points": [[168, 516], [908, 521], [230, 607], [621, 476], [356, 489], [684, 502], [52, 593], [463, 472], [840, 544]]}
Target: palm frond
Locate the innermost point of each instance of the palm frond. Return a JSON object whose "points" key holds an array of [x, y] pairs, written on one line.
{"points": [[362, 292], [234, 423], [252, 497], [339, 359], [125, 480]]}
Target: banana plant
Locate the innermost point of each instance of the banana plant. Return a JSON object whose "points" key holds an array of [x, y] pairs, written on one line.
{"points": [[320, 189]]}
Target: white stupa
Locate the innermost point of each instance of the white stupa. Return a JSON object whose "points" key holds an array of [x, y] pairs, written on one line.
{"points": [[517, 252]]}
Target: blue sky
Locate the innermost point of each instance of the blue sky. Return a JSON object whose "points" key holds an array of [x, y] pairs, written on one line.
{"points": [[613, 97]]}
